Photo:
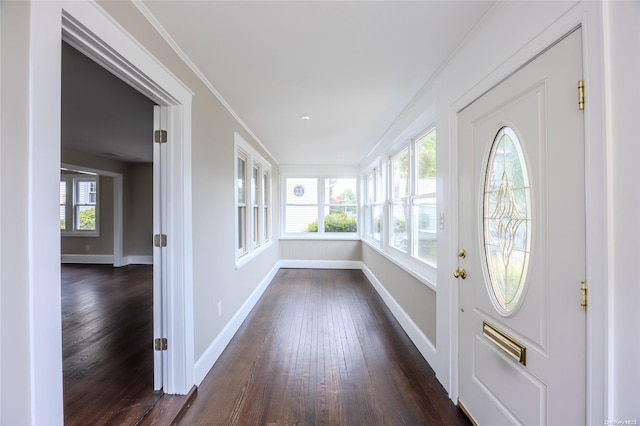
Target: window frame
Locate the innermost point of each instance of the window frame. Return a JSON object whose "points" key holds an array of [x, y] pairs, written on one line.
{"points": [[254, 227], [321, 204], [72, 204], [374, 198], [427, 272]]}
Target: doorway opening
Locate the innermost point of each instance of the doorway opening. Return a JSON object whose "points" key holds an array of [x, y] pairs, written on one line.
{"points": [[107, 313]]}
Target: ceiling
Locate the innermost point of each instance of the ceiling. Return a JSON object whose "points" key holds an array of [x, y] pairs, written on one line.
{"points": [[352, 67], [101, 114]]}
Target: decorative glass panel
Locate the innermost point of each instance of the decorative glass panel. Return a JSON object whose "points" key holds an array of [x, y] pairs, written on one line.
{"points": [[507, 219]]}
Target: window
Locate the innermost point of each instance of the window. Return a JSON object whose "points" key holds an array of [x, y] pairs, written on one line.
{"points": [[320, 205], [373, 204], [253, 201], [79, 204], [242, 203], [413, 213], [423, 200]]}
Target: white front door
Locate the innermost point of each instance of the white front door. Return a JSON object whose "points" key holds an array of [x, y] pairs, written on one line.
{"points": [[522, 229]]}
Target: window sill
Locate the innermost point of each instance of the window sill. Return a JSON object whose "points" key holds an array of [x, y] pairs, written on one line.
{"points": [[321, 237], [243, 260], [422, 272], [80, 234]]}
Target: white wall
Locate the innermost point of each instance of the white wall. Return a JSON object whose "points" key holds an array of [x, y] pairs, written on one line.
{"points": [[15, 382], [622, 26]]}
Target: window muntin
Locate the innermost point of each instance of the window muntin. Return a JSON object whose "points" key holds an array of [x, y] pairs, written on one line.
{"points": [[315, 205], [255, 202], [79, 204]]}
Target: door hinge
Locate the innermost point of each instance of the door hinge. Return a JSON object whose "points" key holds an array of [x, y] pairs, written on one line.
{"points": [[160, 344], [160, 240], [160, 136], [581, 94], [583, 296]]}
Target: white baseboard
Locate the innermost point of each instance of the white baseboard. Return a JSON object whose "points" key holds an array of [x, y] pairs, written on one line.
{"points": [[105, 259], [137, 260], [418, 338], [213, 352], [321, 264], [87, 258]]}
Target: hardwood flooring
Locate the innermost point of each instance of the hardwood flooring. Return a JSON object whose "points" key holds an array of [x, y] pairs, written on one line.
{"points": [[320, 347], [107, 340]]}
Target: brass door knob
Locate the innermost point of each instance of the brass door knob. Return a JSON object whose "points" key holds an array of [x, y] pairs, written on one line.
{"points": [[460, 273], [462, 253]]}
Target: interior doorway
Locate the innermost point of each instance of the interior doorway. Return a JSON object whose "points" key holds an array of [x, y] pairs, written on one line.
{"points": [[107, 313]]}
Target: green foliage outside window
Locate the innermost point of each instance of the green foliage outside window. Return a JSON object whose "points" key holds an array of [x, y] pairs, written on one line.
{"points": [[335, 222]]}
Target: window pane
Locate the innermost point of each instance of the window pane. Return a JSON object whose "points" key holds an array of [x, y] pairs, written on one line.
{"points": [[399, 226], [256, 222], [370, 195], [241, 180], [301, 219], [63, 202], [400, 174], [302, 191], [86, 218], [340, 219], [86, 192], [424, 234], [341, 214], [254, 186], [426, 164], [242, 230], [377, 221]]}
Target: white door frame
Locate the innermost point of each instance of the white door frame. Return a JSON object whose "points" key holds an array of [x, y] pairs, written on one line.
{"points": [[588, 16], [84, 25]]}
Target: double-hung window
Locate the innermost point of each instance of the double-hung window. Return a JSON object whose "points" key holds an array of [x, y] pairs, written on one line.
{"points": [[79, 205], [252, 200], [373, 203], [320, 205], [413, 213]]}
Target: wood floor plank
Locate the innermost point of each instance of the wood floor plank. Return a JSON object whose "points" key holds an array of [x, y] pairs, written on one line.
{"points": [[320, 347], [107, 335]]}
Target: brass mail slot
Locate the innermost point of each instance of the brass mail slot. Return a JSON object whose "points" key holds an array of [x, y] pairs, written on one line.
{"points": [[510, 346]]}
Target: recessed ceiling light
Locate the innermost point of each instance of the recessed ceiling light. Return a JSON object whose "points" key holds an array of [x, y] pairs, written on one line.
{"points": [[305, 117]]}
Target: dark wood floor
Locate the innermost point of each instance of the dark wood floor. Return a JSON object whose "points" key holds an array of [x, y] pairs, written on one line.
{"points": [[107, 350], [321, 348]]}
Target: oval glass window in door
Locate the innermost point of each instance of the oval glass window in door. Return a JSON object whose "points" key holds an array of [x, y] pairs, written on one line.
{"points": [[507, 220]]}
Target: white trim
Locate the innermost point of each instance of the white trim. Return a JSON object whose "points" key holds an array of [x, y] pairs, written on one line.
{"points": [[206, 362], [320, 264], [418, 338], [105, 41], [137, 260], [95, 259], [99, 36]]}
